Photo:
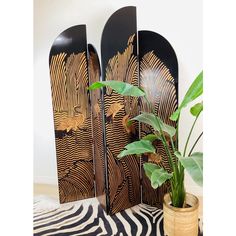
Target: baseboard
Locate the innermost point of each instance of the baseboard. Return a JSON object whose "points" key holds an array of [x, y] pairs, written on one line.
{"points": [[45, 180]]}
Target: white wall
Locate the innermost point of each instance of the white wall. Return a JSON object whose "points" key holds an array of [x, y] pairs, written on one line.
{"points": [[179, 21]]}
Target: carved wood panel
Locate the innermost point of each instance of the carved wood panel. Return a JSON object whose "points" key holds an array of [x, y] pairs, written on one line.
{"points": [[159, 78], [72, 115]]}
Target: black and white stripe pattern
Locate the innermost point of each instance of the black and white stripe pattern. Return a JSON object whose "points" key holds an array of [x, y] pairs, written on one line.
{"points": [[87, 217]]}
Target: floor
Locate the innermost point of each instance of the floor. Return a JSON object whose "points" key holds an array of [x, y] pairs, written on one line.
{"points": [[51, 218], [52, 191], [46, 189]]}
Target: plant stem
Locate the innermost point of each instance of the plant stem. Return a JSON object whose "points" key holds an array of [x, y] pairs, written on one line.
{"points": [[174, 149], [178, 164], [185, 148], [162, 136], [172, 144], [177, 132], [181, 193], [195, 143], [164, 142], [177, 186]]}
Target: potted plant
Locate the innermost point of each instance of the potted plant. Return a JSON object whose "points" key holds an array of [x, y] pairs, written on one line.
{"points": [[180, 208]]}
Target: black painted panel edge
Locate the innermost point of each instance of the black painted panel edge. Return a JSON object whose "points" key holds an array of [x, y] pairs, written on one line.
{"points": [[58, 47]]}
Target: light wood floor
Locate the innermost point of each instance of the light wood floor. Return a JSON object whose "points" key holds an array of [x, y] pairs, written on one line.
{"points": [[46, 189]]}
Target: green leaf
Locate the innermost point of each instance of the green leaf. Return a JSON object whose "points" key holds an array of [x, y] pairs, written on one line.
{"points": [[148, 118], [151, 137], [138, 147], [178, 154], [155, 122], [194, 166], [168, 129], [119, 87], [149, 168], [195, 90], [197, 109], [159, 176]]}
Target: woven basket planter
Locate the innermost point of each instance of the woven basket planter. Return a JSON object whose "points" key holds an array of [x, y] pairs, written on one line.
{"points": [[181, 221]]}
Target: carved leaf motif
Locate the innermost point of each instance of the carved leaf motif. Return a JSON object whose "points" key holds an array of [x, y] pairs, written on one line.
{"points": [[114, 109], [128, 128], [96, 109], [154, 157], [71, 123]]}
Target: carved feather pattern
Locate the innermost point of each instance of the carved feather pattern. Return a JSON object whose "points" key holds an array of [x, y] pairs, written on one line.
{"points": [[157, 81], [72, 121], [123, 177], [97, 124]]}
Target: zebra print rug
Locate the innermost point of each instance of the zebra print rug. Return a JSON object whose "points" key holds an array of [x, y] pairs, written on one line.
{"points": [[87, 217]]}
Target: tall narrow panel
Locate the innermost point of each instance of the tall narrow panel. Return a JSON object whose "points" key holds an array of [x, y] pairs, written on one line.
{"points": [[72, 115], [119, 62], [159, 78], [97, 124]]}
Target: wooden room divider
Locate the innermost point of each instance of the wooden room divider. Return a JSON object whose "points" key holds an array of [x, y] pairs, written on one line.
{"points": [[90, 126]]}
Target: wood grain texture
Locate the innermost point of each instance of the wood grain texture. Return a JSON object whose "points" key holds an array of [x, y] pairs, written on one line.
{"points": [[123, 174], [156, 79], [72, 117], [119, 62], [160, 85], [97, 124]]}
